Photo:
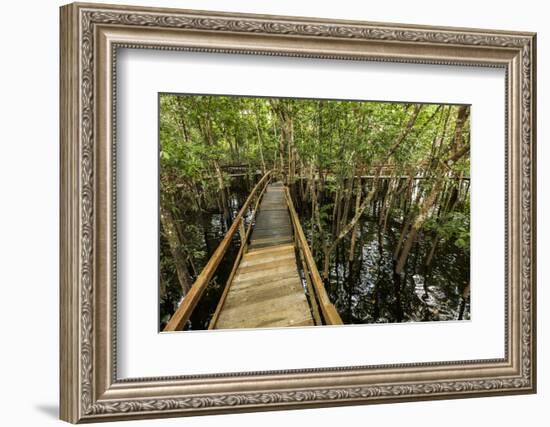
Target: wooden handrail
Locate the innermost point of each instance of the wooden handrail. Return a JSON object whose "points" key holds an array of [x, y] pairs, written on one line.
{"points": [[330, 314], [186, 307]]}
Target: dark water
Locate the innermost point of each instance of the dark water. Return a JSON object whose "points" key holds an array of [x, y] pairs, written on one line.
{"points": [[366, 290]]}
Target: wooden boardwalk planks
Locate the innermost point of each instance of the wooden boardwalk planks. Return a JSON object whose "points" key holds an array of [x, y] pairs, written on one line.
{"points": [[267, 290]]}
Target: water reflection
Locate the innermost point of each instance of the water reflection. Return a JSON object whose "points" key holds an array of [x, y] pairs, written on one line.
{"points": [[367, 290]]}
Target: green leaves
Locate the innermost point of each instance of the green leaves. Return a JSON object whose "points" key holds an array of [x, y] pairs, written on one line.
{"points": [[453, 226]]}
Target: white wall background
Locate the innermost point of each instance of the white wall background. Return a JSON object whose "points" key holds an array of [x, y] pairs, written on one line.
{"points": [[29, 170]]}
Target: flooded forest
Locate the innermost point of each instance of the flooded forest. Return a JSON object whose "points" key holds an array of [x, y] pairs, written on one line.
{"points": [[381, 190]]}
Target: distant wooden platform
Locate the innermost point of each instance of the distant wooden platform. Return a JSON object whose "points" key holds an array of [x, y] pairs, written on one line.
{"points": [[266, 290]]}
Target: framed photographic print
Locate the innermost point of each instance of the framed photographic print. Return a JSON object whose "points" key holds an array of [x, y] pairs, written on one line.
{"points": [[266, 212]]}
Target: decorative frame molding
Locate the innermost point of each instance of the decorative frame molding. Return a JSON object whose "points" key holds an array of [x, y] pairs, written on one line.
{"points": [[90, 36]]}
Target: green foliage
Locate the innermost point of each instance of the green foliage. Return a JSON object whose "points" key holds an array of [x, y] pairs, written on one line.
{"points": [[335, 135], [452, 227]]}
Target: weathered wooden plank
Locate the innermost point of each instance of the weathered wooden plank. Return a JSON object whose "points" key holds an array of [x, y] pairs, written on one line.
{"points": [[266, 257], [274, 323], [266, 245], [290, 307], [266, 265], [278, 234], [267, 242], [242, 289], [271, 241], [247, 296], [271, 225], [260, 282], [275, 218], [279, 231], [273, 250], [280, 272]]}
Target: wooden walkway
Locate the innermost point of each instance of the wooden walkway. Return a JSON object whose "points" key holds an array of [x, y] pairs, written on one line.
{"points": [[266, 290]]}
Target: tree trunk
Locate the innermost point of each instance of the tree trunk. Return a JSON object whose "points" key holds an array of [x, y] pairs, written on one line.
{"points": [[169, 227], [260, 144], [312, 225], [358, 195], [336, 212], [417, 224], [348, 192], [404, 230], [223, 195]]}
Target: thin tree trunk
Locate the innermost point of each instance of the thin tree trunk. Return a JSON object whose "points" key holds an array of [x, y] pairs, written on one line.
{"points": [[347, 200], [404, 230], [359, 190], [335, 210], [430, 256], [260, 144], [312, 225], [387, 213], [179, 257], [417, 224], [223, 194]]}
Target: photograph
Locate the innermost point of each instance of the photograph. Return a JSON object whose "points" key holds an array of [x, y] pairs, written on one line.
{"points": [[278, 212]]}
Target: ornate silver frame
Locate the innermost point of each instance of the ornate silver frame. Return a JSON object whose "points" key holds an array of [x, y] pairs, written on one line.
{"points": [[90, 35]]}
